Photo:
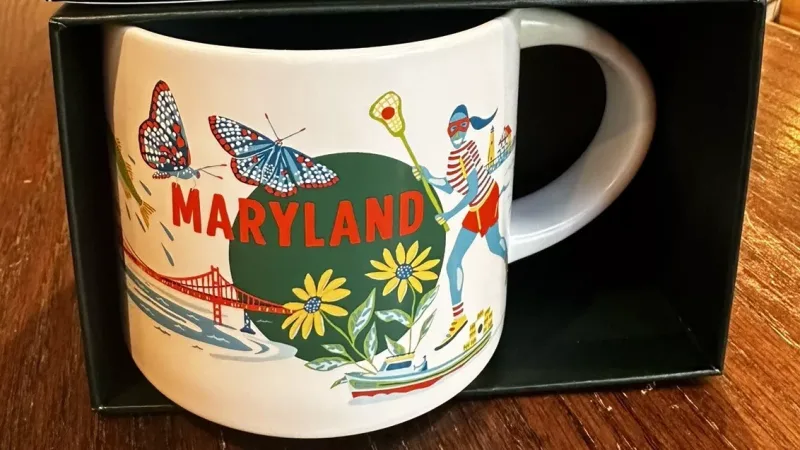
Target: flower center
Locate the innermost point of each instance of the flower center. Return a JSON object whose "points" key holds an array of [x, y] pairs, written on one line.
{"points": [[403, 271], [313, 304]]}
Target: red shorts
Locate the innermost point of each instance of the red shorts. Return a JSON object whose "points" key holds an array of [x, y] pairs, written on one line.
{"points": [[484, 216]]}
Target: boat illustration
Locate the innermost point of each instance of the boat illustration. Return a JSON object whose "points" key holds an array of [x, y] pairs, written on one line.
{"points": [[398, 374], [506, 147]]}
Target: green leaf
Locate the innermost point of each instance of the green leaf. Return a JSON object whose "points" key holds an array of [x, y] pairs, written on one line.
{"points": [[426, 325], [360, 317], [338, 382], [371, 342], [396, 315], [336, 349], [425, 302], [395, 348], [326, 363]]}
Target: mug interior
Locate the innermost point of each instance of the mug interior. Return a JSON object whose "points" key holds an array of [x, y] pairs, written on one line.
{"points": [[323, 31]]}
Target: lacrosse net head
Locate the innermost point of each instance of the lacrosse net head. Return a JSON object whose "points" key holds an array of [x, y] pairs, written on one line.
{"points": [[388, 110]]}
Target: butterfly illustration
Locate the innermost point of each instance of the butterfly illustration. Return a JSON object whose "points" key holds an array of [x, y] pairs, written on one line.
{"points": [[162, 139], [260, 161]]}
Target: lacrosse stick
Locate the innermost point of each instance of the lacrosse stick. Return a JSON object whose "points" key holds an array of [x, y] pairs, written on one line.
{"points": [[387, 110]]}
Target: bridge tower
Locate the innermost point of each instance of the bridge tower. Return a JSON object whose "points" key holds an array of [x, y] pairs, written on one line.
{"points": [[217, 295]]}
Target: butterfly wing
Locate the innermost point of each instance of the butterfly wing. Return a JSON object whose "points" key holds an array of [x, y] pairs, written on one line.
{"points": [[239, 140], [280, 183], [306, 172], [162, 139], [293, 169], [251, 170], [253, 153], [257, 159]]}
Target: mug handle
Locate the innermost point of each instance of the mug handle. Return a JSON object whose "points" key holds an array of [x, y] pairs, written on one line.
{"points": [[616, 152]]}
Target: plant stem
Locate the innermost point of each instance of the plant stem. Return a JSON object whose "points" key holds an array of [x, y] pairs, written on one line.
{"points": [[419, 341], [366, 369], [352, 344], [411, 326]]}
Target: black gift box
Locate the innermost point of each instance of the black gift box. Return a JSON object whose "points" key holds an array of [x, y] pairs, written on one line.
{"points": [[641, 294]]}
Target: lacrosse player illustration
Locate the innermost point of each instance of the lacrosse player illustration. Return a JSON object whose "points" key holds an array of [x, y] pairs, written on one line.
{"points": [[466, 175]]}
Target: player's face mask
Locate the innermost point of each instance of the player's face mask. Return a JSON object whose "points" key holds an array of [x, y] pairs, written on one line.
{"points": [[457, 130]]}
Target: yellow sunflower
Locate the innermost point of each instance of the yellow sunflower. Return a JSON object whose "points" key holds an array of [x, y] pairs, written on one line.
{"points": [[316, 300], [408, 269]]}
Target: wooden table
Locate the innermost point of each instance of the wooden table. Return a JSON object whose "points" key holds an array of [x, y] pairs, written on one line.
{"points": [[756, 404]]}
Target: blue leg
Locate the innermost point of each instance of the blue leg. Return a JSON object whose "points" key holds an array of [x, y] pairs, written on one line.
{"points": [[497, 243], [455, 273]]}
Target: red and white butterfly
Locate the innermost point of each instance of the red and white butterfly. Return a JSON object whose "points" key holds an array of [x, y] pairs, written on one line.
{"points": [[260, 161], [162, 139]]}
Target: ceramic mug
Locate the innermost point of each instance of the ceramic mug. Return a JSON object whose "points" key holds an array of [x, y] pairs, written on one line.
{"points": [[316, 241]]}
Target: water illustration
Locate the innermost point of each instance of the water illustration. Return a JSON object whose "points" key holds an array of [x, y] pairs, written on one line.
{"points": [[190, 321], [167, 254], [167, 232], [171, 314], [140, 223]]}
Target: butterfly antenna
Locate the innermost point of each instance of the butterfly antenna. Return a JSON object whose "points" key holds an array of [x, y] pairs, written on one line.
{"points": [[270, 125], [296, 132], [212, 175], [203, 169]]}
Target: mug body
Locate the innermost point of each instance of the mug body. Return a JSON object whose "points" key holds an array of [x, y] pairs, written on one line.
{"points": [[314, 241]]}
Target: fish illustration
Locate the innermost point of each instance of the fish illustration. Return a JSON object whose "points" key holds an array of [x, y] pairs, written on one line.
{"points": [[128, 187]]}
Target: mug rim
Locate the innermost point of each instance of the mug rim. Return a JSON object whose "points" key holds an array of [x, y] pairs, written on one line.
{"points": [[380, 51]]}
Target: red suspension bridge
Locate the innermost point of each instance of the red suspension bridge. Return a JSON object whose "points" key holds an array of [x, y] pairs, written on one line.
{"points": [[214, 288]]}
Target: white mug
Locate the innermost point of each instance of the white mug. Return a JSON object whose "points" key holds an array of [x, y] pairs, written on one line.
{"points": [[316, 240]]}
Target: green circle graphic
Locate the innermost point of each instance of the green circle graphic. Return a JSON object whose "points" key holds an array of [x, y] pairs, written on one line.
{"points": [[272, 271]]}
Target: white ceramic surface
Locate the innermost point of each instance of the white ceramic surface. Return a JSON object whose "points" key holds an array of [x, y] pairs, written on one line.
{"points": [[295, 315]]}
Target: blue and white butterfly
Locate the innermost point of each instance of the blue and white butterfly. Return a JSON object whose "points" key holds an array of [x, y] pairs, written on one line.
{"points": [[260, 161]]}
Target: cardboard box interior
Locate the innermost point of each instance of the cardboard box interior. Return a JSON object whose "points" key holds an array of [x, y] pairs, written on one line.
{"points": [[641, 294]]}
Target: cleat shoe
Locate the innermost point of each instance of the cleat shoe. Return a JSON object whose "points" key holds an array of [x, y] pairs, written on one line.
{"points": [[456, 326]]}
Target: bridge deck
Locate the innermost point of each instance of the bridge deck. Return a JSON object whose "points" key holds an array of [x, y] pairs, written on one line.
{"points": [[211, 287]]}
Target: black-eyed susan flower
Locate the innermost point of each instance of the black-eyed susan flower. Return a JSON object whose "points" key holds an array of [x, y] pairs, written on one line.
{"points": [[404, 269], [315, 301]]}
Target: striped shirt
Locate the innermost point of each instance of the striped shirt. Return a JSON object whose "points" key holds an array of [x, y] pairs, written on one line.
{"points": [[460, 163]]}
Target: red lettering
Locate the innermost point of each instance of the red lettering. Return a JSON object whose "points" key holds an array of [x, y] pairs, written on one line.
{"points": [[284, 221], [379, 219], [188, 210], [345, 225], [405, 208], [308, 218], [218, 218], [248, 225]]}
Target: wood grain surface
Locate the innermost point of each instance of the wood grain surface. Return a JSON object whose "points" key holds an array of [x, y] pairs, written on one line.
{"points": [[789, 14], [43, 389]]}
